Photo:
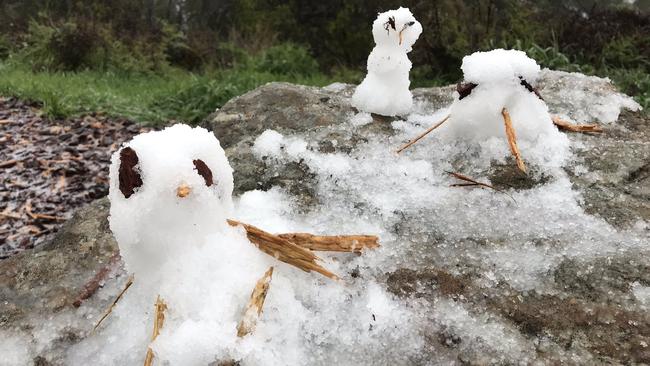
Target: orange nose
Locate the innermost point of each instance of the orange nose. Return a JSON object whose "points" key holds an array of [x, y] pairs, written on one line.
{"points": [[183, 190]]}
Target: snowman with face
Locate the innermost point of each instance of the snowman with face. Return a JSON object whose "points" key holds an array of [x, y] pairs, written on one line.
{"points": [[385, 90], [171, 196], [497, 97]]}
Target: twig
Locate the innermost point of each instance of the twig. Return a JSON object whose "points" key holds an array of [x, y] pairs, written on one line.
{"points": [[159, 320], [255, 304], [471, 181], [567, 126], [284, 250], [474, 183], [423, 134], [8, 163], [128, 284], [45, 217], [10, 215], [91, 286], [337, 243], [512, 140]]}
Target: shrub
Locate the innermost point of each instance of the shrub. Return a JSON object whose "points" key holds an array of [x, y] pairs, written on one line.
{"points": [[287, 59]]}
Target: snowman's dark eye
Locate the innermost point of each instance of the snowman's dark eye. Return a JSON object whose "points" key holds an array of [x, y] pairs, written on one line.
{"points": [[465, 89], [128, 176], [203, 171], [530, 88]]}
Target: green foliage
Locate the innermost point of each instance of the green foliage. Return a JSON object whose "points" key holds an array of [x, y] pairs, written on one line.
{"points": [[5, 47], [147, 98], [287, 59], [635, 82]]}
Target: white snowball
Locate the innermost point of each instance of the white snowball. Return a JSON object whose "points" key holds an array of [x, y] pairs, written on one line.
{"points": [[385, 90]]}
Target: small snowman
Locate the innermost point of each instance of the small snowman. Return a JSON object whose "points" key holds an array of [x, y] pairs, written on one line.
{"points": [[385, 90], [171, 200], [498, 100], [171, 196]]}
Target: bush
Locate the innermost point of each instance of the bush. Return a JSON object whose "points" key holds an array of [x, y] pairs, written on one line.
{"points": [[287, 59], [5, 47]]}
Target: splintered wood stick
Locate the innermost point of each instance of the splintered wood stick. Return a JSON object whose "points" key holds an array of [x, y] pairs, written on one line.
{"points": [[128, 284], [284, 250], [423, 134], [512, 140], [336, 243], [159, 320], [567, 126], [254, 307]]}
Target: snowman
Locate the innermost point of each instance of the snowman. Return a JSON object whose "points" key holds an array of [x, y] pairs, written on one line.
{"points": [[498, 104], [171, 200], [385, 90]]}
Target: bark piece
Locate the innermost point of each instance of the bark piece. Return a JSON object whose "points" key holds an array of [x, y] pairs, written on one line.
{"points": [[335, 243], [512, 140], [284, 250], [567, 126], [159, 320], [254, 307]]}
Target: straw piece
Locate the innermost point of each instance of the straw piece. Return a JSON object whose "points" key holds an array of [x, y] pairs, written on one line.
{"points": [[128, 284], [512, 140], [254, 308], [159, 320], [284, 250], [336, 243], [423, 134], [567, 126]]}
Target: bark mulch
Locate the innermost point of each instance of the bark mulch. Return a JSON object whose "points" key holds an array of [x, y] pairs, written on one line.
{"points": [[49, 168]]}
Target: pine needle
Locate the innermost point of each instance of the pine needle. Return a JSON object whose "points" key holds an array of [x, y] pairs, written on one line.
{"points": [[159, 320], [474, 183], [254, 307], [128, 284], [335, 243], [284, 250], [471, 181], [512, 140], [423, 134], [567, 126]]}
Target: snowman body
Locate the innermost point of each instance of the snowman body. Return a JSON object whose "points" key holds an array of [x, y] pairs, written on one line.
{"points": [[171, 193], [494, 81], [385, 89]]}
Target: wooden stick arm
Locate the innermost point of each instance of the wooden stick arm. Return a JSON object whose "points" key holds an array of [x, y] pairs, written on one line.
{"points": [[335, 243], [284, 250]]}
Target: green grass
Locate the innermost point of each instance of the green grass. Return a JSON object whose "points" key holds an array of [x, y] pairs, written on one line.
{"points": [[146, 98], [156, 98]]}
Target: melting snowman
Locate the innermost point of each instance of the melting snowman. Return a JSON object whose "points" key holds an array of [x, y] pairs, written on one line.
{"points": [[171, 198], [498, 105], [385, 90]]}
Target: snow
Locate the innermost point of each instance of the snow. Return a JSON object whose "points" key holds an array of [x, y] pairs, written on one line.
{"points": [[478, 119], [14, 348], [182, 250], [385, 89], [587, 99]]}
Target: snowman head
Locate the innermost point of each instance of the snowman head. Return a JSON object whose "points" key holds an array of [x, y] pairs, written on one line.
{"points": [[396, 28], [499, 69], [168, 189]]}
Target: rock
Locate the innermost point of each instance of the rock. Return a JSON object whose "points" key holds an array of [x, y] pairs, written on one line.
{"points": [[583, 312]]}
